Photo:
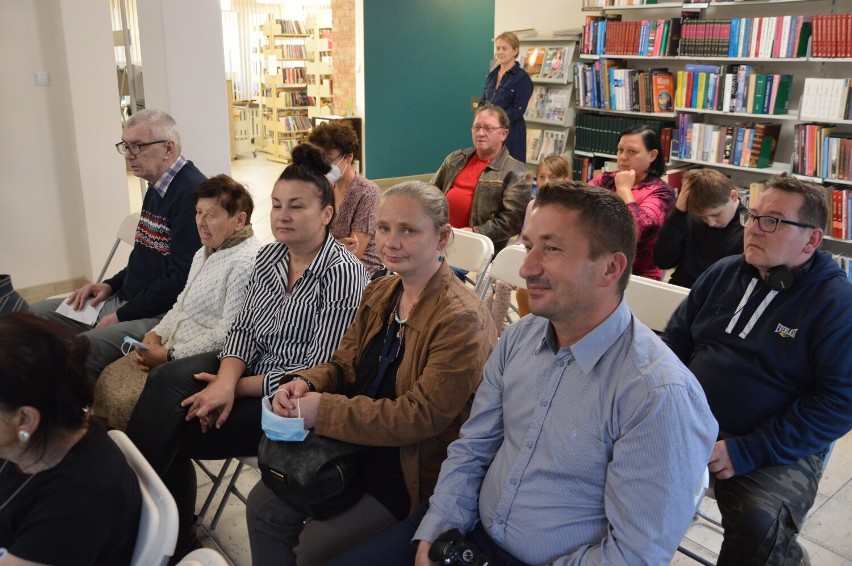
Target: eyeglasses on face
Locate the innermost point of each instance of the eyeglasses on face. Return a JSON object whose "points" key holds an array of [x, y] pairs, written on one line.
{"points": [[134, 148], [486, 129], [768, 223]]}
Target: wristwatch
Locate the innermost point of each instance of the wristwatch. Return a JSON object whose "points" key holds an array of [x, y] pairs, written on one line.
{"points": [[311, 387]]}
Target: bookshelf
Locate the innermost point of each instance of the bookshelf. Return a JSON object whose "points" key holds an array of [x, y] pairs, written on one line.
{"points": [[776, 45], [284, 98], [320, 65], [550, 113]]}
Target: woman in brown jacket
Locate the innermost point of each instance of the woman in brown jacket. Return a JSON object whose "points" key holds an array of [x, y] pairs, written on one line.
{"points": [[409, 366]]}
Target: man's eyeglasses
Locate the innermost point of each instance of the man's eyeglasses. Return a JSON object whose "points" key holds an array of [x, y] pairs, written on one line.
{"points": [[767, 223], [134, 148], [487, 129]]}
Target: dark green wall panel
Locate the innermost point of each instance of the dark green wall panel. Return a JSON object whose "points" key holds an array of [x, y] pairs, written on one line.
{"points": [[423, 61]]}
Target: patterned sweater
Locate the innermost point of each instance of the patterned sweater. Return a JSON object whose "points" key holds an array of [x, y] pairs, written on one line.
{"points": [[166, 240], [214, 294]]}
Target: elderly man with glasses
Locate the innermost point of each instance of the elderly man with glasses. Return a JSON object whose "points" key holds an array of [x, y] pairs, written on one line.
{"points": [[486, 188], [768, 334], [135, 299]]}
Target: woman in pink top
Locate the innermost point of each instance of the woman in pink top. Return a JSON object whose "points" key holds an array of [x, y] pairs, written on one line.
{"points": [[638, 182]]}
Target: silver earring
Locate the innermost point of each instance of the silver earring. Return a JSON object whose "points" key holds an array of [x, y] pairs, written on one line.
{"points": [[23, 436]]}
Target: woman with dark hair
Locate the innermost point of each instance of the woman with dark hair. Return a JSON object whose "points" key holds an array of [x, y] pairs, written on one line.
{"points": [[301, 296], [510, 87], [67, 494], [205, 309], [638, 182], [356, 199], [400, 384]]}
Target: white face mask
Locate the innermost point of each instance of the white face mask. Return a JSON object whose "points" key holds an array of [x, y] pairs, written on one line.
{"points": [[335, 174]]}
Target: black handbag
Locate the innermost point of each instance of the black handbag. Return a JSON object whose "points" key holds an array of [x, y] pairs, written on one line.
{"points": [[318, 476]]}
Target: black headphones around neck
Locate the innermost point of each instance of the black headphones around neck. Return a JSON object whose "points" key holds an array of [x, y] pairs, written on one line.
{"points": [[781, 277]]}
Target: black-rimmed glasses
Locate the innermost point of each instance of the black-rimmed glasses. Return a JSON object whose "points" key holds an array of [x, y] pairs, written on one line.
{"points": [[768, 223], [134, 148]]}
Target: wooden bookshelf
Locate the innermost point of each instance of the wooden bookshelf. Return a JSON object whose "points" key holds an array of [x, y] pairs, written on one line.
{"points": [[284, 97], [320, 65]]}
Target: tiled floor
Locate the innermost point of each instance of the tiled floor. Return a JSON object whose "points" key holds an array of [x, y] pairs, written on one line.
{"points": [[827, 533]]}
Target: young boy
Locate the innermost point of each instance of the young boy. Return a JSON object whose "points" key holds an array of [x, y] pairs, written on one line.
{"points": [[703, 228]]}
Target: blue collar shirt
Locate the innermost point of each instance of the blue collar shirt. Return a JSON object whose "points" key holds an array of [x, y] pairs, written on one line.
{"points": [[584, 454]]}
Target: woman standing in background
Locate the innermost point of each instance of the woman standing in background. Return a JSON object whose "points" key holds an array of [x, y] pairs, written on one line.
{"points": [[510, 87]]}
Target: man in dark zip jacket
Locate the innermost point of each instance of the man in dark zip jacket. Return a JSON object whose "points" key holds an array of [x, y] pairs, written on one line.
{"points": [[769, 336]]}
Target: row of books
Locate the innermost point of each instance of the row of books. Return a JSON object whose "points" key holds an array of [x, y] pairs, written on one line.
{"points": [[547, 63], [541, 143], [294, 75], [826, 99], [845, 263], [732, 88], [292, 27], [746, 144], [607, 84], [820, 151], [295, 98], [295, 123], [608, 35], [778, 37], [548, 104], [832, 36], [291, 51], [600, 133]]}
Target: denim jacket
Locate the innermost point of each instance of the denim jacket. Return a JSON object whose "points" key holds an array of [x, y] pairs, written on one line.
{"points": [[501, 195]]}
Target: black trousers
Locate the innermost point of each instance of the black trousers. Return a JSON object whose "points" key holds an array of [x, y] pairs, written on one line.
{"points": [[158, 427]]}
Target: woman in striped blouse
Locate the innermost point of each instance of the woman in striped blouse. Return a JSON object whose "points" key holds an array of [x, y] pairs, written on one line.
{"points": [[302, 295], [400, 384]]}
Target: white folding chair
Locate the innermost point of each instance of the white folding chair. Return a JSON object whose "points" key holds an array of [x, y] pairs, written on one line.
{"points": [[126, 233], [158, 525], [507, 266], [472, 252], [697, 497], [653, 302], [203, 557]]}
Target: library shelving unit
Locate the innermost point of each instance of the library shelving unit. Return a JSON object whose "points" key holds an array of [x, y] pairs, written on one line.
{"points": [[284, 96], [320, 68], [801, 62], [550, 114]]}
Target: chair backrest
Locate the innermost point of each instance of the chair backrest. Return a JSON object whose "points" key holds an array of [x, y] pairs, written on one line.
{"points": [[470, 251], [126, 233], [203, 557], [507, 264], [158, 525], [653, 302]]}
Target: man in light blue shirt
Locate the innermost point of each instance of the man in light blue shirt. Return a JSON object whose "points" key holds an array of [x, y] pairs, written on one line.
{"points": [[587, 436]]}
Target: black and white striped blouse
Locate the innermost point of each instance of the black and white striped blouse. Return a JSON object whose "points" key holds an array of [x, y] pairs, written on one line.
{"points": [[276, 332]]}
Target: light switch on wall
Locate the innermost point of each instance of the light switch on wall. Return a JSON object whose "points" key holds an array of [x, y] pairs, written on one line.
{"points": [[42, 78]]}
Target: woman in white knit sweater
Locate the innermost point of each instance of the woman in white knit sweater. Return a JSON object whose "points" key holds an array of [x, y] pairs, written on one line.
{"points": [[207, 306]]}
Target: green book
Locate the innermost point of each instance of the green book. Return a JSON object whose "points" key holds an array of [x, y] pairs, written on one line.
{"points": [[759, 93], [782, 98], [803, 36]]}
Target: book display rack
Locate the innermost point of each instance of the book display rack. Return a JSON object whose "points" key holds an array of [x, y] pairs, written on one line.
{"points": [[550, 113], [284, 99], [758, 87]]}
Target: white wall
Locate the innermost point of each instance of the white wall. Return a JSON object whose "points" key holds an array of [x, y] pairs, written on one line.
{"points": [[546, 16], [184, 65], [64, 188], [59, 166]]}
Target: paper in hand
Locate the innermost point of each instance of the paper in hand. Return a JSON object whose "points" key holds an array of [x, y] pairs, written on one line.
{"points": [[87, 315]]}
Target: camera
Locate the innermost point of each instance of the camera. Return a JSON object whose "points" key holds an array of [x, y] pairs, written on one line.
{"points": [[452, 549]]}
